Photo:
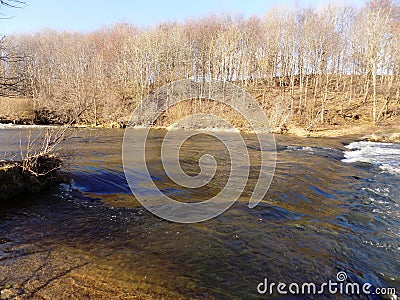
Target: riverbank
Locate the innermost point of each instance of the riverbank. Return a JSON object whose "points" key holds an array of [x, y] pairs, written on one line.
{"points": [[382, 133]]}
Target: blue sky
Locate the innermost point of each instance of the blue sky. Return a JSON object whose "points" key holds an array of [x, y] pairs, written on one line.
{"points": [[87, 15]]}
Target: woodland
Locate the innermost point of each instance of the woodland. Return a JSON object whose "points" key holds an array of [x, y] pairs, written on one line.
{"points": [[306, 67]]}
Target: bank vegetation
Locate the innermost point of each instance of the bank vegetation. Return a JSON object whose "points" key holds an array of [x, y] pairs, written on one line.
{"points": [[37, 168]]}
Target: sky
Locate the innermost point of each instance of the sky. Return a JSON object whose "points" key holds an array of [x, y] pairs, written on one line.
{"points": [[88, 15]]}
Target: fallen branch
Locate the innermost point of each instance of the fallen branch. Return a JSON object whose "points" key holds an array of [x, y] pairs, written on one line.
{"points": [[38, 167]]}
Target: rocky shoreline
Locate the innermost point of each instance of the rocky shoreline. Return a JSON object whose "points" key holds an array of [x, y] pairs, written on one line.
{"points": [[384, 133], [383, 137]]}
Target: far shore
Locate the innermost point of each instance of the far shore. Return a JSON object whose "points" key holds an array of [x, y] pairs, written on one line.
{"points": [[387, 133]]}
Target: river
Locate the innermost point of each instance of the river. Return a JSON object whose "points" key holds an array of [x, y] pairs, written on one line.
{"points": [[333, 206]]}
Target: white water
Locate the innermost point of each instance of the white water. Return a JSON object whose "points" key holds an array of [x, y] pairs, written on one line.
{"points": [[386, 156], [17, 126]]}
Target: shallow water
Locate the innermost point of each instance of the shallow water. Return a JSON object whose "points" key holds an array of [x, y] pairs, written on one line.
{"points": [[322, 214]]}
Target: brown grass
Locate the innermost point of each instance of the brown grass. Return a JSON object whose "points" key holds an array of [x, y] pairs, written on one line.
{"points": [[16, 110], [196, 106]]}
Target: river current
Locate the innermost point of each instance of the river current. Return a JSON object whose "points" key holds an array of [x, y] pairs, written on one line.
{"points": [[333, 206]]}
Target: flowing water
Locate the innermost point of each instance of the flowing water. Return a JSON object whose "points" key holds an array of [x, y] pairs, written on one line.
{"points": [[333, 206]]}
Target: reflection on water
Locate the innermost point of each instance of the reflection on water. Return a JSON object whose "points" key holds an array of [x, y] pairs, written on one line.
{"points": [[92, 239]]}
